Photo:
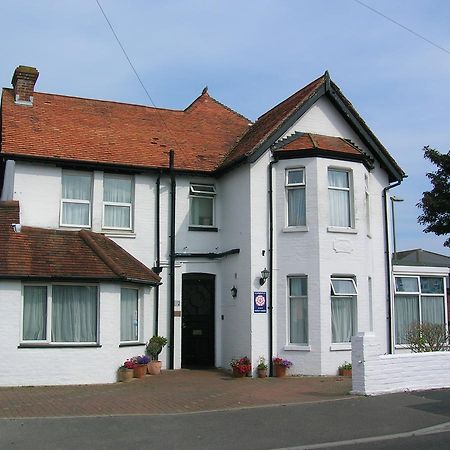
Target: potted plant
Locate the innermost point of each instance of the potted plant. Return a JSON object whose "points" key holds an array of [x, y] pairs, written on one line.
{"points": [[281, 365], [154, 348], [241, 367], [126, 371], [345, 370], [262, 367], [140, 365]]}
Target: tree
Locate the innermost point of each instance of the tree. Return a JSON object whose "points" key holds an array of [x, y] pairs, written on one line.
{"points": [[435, 204]]}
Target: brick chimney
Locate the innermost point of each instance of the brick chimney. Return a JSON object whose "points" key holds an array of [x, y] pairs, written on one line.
{"points": [[23, 81]]}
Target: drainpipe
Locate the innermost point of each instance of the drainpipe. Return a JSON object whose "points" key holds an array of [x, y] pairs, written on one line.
{"points": [[389, 265], [157, 269], [172, 261], [270, 304]]}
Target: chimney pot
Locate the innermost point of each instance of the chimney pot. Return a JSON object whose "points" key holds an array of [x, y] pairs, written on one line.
{"points": [[23, 82]]}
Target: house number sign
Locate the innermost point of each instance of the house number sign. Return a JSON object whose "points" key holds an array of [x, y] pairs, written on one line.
{"points": [[259, 302]]}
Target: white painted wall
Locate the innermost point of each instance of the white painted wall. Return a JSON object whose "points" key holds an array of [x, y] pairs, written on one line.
{"points": [[8, 181], [70, 365], [374, 373]]}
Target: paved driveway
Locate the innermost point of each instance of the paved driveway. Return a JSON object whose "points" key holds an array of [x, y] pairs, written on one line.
{"points": [[171, 392]]}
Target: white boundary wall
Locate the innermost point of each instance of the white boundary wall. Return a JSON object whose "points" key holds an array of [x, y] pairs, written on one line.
{"points": [[374, 373]]}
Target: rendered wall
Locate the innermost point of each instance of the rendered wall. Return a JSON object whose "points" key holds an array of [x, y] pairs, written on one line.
{"points": [[68, 365], [374, 373]]}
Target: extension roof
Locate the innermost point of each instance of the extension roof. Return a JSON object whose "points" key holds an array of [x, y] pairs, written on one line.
{"points": [[207, 137], [38, 253]]}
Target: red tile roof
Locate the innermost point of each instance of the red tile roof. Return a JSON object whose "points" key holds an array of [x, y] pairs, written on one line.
{"points": [[273, 119], [78, 129], [56, 254], [309, 141]]}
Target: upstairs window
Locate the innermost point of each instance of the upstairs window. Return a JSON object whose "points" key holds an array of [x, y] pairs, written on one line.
{"points": [[340, 198], [76, 199], [295, 193], [418, 299], [343, 309], [202, 206], [117, 201]]}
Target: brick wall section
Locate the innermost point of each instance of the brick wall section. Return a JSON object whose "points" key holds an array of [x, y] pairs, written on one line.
{"points": [[23, 80], [375, 374]]}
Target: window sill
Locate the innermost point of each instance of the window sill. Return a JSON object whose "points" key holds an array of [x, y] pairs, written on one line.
{"points": [[118, 234], [295, 229], [344, 230], [131, 344], [339, 347], [45, 345], [200, 228], [297, 348]]}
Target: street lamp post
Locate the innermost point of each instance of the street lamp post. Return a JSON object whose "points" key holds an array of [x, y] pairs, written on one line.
{"points": [[393, 200]]}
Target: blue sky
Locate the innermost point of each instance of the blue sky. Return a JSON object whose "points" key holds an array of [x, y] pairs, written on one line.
{"points": [[252, 54]]}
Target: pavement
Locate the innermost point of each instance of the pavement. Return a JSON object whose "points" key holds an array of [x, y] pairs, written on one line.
{"points": [[172, 392]]}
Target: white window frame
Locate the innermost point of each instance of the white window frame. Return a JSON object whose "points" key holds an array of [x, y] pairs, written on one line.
{"points": [[122, 204], [48, 340], [139, 315], [290, 297], [351, 200], [293, 186], [75, 201], [419, 294], [199, 190], [336, 295]]}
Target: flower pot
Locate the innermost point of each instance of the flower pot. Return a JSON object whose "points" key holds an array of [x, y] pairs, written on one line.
{"points": [[154, 367], [125, 374], [237, 373], [280, 371], [345, 372], [262, 373], [140, 370]]}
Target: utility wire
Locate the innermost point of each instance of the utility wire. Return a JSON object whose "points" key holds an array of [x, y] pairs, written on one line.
{"points": [[402, 26], [135, 71]]}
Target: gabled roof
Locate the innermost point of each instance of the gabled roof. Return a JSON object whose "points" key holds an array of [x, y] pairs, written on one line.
{"points": [[300, 145], [38, 253], [271, 126], [60, 128]]}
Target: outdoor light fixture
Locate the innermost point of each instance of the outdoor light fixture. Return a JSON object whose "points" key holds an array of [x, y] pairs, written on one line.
{"points": [[234, 291], [264, 276]]}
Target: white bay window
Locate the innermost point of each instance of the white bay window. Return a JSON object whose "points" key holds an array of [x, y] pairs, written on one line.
{"points": [[129, 315], [340, 197], [60, 314], [295, 192], [298, 310], [202, 197], [343, 309]]}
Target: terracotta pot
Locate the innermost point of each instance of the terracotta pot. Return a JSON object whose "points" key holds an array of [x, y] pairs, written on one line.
{"points": [[140, 370], [262, 373], [154, 367], [125, 374], [237, 373], [345, 372], [280, 371]]}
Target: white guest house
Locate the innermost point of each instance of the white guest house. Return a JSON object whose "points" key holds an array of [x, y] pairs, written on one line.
{"points": [[229, 237]]}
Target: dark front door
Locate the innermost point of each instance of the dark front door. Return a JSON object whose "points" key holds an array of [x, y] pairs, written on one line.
{"points": [[197, 336]]}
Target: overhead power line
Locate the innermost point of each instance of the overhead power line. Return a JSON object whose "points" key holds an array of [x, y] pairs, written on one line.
{"points": [[403, 26]]}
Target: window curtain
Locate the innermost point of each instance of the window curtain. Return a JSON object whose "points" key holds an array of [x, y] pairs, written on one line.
{"points": [[406, 284], [74, 314], [34, 313], [296, 207], [339, 199], [432, 309], [201, 211], [406, 313], [341, 319], [129, 315], [117, 190], [76, 187], [298, 310]]}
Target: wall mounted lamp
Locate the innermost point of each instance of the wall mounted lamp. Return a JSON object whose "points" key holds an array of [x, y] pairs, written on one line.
{"points": [[264, 276], [233, 291]]}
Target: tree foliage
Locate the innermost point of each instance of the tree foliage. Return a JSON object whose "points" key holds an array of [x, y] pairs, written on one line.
{"points": [[435, 204]]}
